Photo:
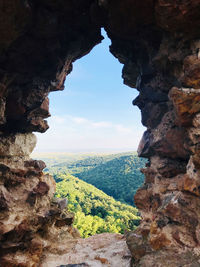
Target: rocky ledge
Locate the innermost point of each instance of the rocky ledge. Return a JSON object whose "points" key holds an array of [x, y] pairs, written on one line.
{"points": [[97, 251]]}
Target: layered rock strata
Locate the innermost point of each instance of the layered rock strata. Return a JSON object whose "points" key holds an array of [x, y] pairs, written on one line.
{"points": [[158, 43]]}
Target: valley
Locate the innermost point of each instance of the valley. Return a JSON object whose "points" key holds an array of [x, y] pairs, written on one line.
{"points": [[99, 189]]}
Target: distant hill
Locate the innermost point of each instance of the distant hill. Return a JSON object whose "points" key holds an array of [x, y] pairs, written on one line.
{"points": [[81, 162], [118, 175], [95, 212], [52, 159]]}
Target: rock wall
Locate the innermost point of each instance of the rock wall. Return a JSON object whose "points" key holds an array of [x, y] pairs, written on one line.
{"points": [[39, 41], [31, 219], [159, 44], [162, 61]]}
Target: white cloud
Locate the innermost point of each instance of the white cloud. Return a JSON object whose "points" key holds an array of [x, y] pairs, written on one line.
{"points": [[80, 120], [58, 119], [101, 124], [69, 133], [121, 129]]}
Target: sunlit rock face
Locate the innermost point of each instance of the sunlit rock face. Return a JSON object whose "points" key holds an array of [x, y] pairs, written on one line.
{"points": [[30, 220], [99, 250], [159, 44], [164, 52]]}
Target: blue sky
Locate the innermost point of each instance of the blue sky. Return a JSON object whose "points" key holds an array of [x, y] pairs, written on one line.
{"points": [[95, 111]]}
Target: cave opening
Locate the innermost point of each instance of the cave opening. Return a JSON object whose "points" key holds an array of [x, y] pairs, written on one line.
{"points": [[158, 43], [93, 120]]}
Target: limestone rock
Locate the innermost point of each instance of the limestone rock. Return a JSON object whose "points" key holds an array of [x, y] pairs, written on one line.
{"points": [[99, 250], [158, 44], [28, 216], [144, 148], [186, 102], [137, 245], [169, 258], [75, 265], [17, 145]]}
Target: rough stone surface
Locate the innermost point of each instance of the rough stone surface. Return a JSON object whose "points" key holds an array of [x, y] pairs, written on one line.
{"points": [[158, 42], [29, 222], [96, 251], [17, 145], [75, 265]]}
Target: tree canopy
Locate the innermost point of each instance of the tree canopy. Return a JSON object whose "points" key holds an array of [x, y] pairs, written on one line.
{"points": [[95, 212]]}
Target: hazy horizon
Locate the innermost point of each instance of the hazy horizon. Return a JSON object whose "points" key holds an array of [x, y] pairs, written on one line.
{"points": [[100, 151]]}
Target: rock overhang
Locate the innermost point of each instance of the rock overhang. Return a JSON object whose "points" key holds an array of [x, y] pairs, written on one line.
{"points": [[158, 43]]}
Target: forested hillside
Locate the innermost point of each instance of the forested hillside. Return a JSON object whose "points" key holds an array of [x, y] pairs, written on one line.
{"points": [[75, 163], [95, 212], [118, 175]]}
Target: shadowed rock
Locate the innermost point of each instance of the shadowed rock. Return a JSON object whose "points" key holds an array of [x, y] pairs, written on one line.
{"points": [[158, 44]]}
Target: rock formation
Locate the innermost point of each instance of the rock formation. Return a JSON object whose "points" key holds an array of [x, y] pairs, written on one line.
{"points": [[159, 44], [31, 220], [96, 251]]}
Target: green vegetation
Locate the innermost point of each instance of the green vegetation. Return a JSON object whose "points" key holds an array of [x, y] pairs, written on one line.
{"points": [[118, 175], [119, 178], [95, 212]]}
